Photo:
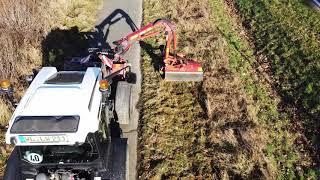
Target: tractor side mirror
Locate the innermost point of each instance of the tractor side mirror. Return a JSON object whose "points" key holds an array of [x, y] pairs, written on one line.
{"points": [[29, 78]]}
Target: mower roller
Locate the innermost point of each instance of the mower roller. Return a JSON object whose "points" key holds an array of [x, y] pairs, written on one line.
{"points": [[175, 66]]}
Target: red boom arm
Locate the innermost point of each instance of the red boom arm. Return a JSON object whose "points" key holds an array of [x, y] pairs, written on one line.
{"points": [[176, 66], [124, 44]]}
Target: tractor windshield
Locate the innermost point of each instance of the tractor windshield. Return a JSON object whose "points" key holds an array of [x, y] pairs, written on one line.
{"points": [[45, 124]]}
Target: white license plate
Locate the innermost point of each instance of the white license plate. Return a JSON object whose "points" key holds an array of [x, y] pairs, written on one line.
{"points": [[43, 139]]}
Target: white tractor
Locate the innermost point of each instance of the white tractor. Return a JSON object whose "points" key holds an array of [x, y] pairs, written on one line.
{"points": [[60, 126]]}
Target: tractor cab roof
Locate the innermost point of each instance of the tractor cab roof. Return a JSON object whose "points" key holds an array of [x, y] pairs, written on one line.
{"points": [[63, 93]]}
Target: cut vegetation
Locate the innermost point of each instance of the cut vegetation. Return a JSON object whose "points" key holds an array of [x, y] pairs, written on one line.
{"points": [[23, 26], [231, 126]]}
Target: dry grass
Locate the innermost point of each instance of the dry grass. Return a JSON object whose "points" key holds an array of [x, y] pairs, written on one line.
{"points": [[5, 151], [5, 112], [197, 129], [70, 13], [23, 26]]}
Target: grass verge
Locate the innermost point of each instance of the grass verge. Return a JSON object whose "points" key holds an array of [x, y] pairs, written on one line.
{"points": [[229, 126], [295, 59]]}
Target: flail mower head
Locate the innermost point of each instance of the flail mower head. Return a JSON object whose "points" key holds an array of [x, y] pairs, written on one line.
{"points": [[184, 70], [176, 67]]}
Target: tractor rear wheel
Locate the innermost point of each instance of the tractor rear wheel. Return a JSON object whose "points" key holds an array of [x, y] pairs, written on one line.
{"points": [[122, 102]]}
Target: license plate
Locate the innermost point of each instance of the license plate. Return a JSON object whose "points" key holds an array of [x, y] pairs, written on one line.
{"points": [[43, 139]]}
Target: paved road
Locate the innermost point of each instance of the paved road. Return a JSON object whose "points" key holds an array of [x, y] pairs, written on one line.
{"points": [[115, 20]]}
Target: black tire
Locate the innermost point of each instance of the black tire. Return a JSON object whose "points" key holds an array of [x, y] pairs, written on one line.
{"points": [[131, 77], [117, 165], [122, 102], [13, 171]]}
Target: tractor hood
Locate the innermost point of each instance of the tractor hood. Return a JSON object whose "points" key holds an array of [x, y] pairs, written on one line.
{"points": [[59, 108]]}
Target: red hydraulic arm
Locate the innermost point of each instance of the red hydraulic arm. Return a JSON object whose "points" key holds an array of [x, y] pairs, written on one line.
{"points": [[176, 66], [152, 29]]}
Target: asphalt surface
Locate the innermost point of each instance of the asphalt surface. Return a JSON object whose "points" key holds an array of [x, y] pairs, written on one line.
{"points": [[115, 20]]}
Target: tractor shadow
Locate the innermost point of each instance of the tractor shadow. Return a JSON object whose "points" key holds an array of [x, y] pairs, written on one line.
{"points": [[155, 54], [61, 45]]}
